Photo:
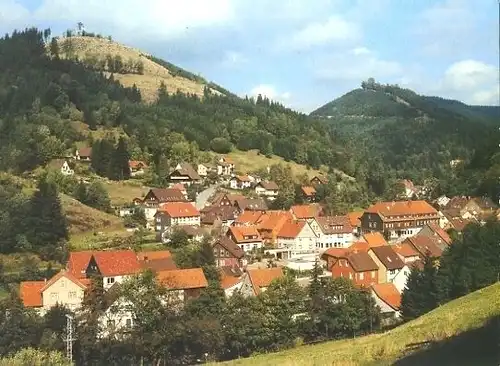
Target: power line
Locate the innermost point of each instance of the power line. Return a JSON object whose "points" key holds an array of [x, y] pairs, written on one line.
{"points": [[69, 337]]}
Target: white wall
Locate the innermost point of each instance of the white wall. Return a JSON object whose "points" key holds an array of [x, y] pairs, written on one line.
{"points": [[399, 280], [116, 318]]}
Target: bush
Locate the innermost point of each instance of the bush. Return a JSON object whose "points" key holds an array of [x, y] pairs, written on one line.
{"points": [[221, 145]]}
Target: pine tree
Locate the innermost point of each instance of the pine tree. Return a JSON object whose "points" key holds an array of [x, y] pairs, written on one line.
{"points": [[315, 287], [54, 48], [80, 192], [119, 169], [47, 222]]}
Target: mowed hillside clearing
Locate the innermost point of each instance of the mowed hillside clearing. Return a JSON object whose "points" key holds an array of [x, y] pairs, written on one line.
{"points": [[457, 317], [154, 74]]}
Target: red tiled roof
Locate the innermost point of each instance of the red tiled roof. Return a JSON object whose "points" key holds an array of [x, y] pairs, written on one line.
{"points": [[440, 232], [179, 209], [388, 293], [401, 208], [155, 254], [354, 218], [110, 263], [30, 293], [183, 279], [179, 186], [305, 211], [248, 218], [85, 152], [360, 246], [291, 229], [274, 220], [405, 250], [135, 164], [308, 191], [335, 252], [242, 178], [159, 264], [263, 277], [241, 232], [375, 239]]}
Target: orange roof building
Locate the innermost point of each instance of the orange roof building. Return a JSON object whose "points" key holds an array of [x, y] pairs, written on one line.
{"points": [[399, 219], [246, 237], [374, 239], [387, 297], [257, 281], [304, 212], [187, 283]]}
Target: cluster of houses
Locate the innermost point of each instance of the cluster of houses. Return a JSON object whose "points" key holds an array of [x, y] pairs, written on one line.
{"points": [[375, 248]]}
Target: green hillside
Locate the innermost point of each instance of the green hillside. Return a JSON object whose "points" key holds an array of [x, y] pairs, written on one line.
{"points": [[462, 332]]}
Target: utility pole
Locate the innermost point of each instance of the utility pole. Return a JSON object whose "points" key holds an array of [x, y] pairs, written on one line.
{"points": [[69, 337]]}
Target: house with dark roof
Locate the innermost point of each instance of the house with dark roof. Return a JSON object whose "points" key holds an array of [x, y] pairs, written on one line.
{"points": [[218, 216], [318, 180], [332, 232], [267, 189], [184, 173], [425, 246], [157, 196], [228, 254], [84, 154], [398, 219], [256, 281], [357, 266], [240, 182], [250, 204], [388, 262]]}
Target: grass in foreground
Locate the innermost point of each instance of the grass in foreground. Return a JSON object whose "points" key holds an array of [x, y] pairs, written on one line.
{"points": [[457, 317]]}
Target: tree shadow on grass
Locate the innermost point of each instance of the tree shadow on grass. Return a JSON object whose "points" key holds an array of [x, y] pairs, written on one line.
{"points": [[477, 347]]}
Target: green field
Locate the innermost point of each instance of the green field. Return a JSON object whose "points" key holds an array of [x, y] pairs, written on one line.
{"points": [[445, 327]]}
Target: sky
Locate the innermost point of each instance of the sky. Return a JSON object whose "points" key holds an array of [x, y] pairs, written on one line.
{"points": [[301, 53]]}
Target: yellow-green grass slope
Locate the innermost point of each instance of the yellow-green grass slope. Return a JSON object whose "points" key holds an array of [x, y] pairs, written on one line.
{"points": [[149, 82], [455, 318]]}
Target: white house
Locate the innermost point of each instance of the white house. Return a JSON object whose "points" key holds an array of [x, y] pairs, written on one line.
{"points": [[203, 170], [400, 279], [118, 316], [240, 182], [296, 239], [62, 166], [176, 213], [268, 189], [246, 237], [332, 232], [225, 166]]}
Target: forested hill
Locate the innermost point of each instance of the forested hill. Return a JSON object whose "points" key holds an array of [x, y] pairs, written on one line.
{"points": [[45, 92], [415, 136]]}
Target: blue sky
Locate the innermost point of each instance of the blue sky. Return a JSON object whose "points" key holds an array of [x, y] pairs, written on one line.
{"points": [[302, 53]]}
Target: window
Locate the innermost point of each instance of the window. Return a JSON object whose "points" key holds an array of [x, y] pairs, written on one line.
{"points": [[111, 323], [63, 283], [72, 295], [350, 276], [373, 274], [54, 296], [110, 280], [128, 323], [361, 276], [392, 271]]}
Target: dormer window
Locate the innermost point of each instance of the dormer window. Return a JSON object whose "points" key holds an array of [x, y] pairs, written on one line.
{"points": [[110, 280]]}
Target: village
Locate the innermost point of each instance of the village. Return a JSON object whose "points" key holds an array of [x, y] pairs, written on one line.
{"points": [[253, 245]]}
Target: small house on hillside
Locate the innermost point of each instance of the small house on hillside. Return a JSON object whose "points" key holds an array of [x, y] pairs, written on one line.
{"points": [[318, 180], [61, 166], [308, 193], [225, 166], [176, 213], [157, 196], [137, 167], [184, 173], [240, 182], [268, 189], [84, 154]]}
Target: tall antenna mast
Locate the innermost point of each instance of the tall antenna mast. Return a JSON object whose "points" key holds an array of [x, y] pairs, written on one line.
{"points": [[69, 337]]}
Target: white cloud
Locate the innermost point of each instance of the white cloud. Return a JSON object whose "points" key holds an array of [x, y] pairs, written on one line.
{"points": [[12, 13], [334, 30], [132, 19], [356, 65], [472, 81], [271, 92]]}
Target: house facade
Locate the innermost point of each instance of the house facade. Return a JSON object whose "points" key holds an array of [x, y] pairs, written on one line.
{"points": [[184, 173], [401, 278], [256, 281], [225, 166], [358, 267], [84, 154], [240, 182], [137, 167], [61, 166], [157, 196], [176, 213], [63, 289], [202, 170], [245, 237], [398, 219], [296, 239], [388, 299], [183, 284], [388, 262], [267, 189], [228, 254], [332, 232]]}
